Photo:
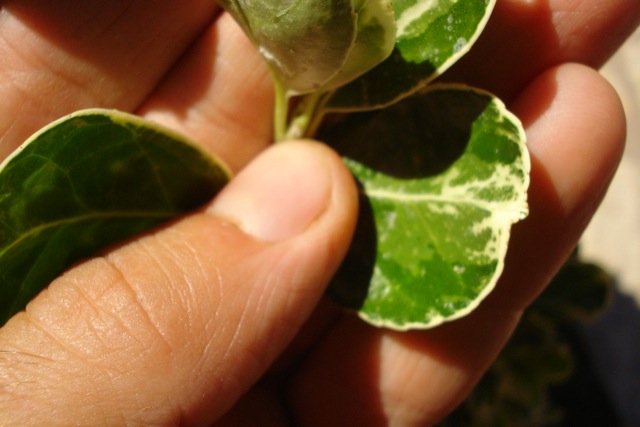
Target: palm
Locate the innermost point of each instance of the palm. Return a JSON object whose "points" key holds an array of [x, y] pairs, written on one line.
{"points": [[169, 63]]}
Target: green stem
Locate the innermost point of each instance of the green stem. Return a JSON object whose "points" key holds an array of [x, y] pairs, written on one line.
{"points": [[318, 114], [308, 116], [305, 120], [281, 113]]}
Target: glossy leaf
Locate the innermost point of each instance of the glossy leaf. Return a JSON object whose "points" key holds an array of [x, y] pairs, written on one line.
{"points": [[305, 43], [87, 181], [431, 36], [375, 40], [444, 177]]}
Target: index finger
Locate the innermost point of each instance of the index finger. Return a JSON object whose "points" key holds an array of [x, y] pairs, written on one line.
{"points": [[525, 37], [62, 56]]}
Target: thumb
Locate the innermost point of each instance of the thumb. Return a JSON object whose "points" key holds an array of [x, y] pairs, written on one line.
{"points": [[175, 326]]}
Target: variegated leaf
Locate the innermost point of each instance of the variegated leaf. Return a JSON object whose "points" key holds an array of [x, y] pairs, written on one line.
{"points": [[445, 175], [431, 36]]}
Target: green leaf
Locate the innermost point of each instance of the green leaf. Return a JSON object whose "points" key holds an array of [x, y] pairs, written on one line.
{"points": [[305, 43], [444, 176], [87, 181], [375, 40], [431, 36]]}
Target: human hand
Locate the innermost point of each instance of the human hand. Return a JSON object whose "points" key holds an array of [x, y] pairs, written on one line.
{"points": [[185, 323]]}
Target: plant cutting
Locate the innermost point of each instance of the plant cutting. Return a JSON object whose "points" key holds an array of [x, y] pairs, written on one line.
{"points": [[443, 168]]}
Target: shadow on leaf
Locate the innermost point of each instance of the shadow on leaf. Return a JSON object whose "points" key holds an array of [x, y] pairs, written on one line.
{"points": [[350, 286], [417, 138]]}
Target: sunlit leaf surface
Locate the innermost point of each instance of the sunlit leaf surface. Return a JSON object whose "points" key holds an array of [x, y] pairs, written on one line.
{"points": [[444, 176], [431, 36], [84, 182]]}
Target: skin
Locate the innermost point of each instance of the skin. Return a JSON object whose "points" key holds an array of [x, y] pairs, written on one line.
{"points": [[218, 318]]}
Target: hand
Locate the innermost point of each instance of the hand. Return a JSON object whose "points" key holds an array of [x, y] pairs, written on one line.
{"points": [[220, 316]]}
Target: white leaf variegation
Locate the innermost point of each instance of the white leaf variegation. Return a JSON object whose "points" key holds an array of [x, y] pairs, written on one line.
{"points": [[444, 173], [443, 219], [431, 36]]}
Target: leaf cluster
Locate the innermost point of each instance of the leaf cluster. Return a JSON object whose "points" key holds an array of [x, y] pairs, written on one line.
{"points": [[443, 169]]}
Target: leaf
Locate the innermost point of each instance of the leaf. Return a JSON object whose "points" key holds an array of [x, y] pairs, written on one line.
{"points": [[431, 36], [375, 40], [305, 43], [444, 176], [85, 182]]}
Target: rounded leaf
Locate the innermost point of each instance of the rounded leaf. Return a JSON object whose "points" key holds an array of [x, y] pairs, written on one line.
{"points": [[444, 176], [431, 36], [305, 43], [85, 182], [375, 40]]}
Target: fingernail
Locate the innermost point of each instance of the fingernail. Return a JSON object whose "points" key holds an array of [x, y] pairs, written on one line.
{"points": [[279, 194]]}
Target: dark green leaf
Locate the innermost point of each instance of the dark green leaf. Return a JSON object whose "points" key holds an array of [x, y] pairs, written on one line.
{"points": [[431, 36], [445, 175], [85, 182]]}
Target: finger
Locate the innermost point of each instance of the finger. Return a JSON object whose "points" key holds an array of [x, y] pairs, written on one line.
{"points": [[525, 37], [577, 130], [176, 326], [220, 94], [575, 125], [62, 56]]}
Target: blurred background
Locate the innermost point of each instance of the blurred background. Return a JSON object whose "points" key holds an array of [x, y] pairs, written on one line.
{"points": [[613, 241], [613, 237]]}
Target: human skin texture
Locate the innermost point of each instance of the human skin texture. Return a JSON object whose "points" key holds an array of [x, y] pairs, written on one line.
{"points": [[219, 317]]}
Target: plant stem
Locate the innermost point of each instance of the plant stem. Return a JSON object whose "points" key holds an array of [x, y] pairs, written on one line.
{"points": [[308, 116], [318, 114], [281, 113], [305, 120]]}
